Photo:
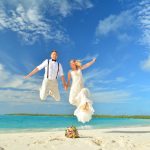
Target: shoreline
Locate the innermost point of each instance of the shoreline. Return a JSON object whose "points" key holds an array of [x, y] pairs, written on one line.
{"points": [[42, 130], [94, 116], [122, 138]]}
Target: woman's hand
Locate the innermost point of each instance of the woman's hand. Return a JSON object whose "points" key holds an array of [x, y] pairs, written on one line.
{"points": [[66, 87], [26, 77], [94, 60], [88, 64]]}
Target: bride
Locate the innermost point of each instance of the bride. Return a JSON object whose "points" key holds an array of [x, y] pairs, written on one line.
{"points": [[78, 94]]}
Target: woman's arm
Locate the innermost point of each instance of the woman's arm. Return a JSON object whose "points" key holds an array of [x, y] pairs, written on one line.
{"points": [[88, 64], [69, 78], [34, 71]]}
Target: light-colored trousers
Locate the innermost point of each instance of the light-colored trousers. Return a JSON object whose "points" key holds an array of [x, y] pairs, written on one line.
{"points": [[49, 87]]}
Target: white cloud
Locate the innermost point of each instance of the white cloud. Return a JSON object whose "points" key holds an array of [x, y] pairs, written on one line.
{"points": [[9, 80], [62, 8], [17, 90], [97, 74], [124, 37], [111, 96], [144, 88], [9, 61], [115, 81], [13, 88], [106, 90], [121, 79], [145, 65], [97, 80], [144, 24], [100, 75], [83, 4], [89, 57], [28, 18], [66, 7], [144, 20], [26, 97], [14, 96], [28, 24], [114, 23]]}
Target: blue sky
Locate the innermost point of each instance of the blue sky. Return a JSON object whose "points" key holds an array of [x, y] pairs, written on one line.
{"points": [[116, 32]]}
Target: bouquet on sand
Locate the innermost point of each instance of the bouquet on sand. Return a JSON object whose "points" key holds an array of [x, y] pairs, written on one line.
{"points": [[72, 132]]}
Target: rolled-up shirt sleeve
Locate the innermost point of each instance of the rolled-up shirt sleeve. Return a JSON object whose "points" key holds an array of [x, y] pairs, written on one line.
{"points": [[43, 64], [61, 73]]}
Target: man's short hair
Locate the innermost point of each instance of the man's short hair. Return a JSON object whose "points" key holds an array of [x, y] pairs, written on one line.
{"points": [[54, 51]]}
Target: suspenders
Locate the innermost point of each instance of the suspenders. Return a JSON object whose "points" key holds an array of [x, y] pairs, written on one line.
{"points": [[57, 71], [48, 70]]}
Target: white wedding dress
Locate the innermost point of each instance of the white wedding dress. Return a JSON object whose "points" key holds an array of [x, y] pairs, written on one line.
{"points": [[79, 97], [76, 86]]}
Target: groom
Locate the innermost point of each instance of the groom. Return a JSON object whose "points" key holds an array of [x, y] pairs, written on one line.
{"points": [[53, 69]]}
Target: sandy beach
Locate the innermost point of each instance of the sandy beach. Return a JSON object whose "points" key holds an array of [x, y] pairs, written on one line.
{"points": [[130, 138]]}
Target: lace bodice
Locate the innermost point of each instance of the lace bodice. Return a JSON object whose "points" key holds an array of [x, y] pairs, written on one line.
{"points": [[77, 78]]}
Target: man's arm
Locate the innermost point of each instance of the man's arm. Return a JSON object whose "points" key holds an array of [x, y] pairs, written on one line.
{"points": [[63, 82], [34, 71], [38, 68], [61, 74]]}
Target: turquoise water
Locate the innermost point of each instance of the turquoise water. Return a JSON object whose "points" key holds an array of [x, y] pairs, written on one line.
{"points": [[28, 123]]}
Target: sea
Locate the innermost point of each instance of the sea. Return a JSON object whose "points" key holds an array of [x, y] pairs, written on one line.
{"points": [[12, 123]]}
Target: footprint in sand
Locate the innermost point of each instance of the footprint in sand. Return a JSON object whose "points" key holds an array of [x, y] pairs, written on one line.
{"points": [[56, 139], [38, 142], [97, 142], [113, 141]]}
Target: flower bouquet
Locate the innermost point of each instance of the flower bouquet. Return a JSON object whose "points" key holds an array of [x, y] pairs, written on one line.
{"points": [[71, 132]]}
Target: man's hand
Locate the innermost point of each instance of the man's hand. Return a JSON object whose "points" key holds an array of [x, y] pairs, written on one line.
{"points": [[64, 82], [31, 73]]}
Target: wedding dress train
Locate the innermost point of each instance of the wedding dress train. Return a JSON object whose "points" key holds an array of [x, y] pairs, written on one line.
{"points": [[79, 96]]}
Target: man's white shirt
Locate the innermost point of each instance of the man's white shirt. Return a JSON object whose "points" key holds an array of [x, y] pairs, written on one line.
{"points": [[53, 68]]}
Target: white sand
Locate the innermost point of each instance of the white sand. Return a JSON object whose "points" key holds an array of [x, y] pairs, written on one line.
{"points": [[133, 138]]}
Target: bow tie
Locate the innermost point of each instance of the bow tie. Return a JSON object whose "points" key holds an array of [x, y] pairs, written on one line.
{"points": [[53, 60]]}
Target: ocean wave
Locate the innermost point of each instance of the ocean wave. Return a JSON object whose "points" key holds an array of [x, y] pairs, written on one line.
{"points": [[83, 127]]}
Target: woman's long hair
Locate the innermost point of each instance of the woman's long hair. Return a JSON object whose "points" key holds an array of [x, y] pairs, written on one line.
{"points": [[78, 64]]}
